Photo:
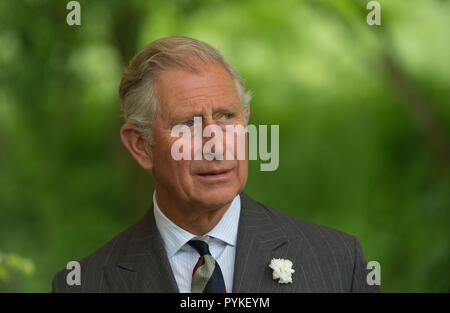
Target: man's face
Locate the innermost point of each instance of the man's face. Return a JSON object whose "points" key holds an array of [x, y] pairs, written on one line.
{"points": [[211, 95]]}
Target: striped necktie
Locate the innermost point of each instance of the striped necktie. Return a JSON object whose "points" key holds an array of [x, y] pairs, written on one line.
{"points": [[207, 276]]}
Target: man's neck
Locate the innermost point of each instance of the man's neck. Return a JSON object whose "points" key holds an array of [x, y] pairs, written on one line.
{"points": [[195, 219]]}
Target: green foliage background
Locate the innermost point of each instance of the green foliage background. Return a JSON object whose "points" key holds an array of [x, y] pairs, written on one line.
{"points": [[364, 115]]}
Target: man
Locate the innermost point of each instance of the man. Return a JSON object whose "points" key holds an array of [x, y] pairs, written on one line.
{"points": [[202, 233]]}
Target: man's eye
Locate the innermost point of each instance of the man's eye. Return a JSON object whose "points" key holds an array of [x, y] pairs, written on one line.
{"points": [[189, 123], [228, 116]]}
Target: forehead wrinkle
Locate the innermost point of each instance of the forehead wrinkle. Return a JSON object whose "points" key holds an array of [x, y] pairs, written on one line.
{"points": [[196, 108], [201, 92], [202, 103]]}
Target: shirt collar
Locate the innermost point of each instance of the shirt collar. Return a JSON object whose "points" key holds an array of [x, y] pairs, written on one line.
{"points": [[175, 237]]}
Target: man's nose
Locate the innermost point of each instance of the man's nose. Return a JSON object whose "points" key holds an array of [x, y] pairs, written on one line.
{"points": [[214, 138]]}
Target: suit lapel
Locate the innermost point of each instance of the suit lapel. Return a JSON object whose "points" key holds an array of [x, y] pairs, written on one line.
{"points": [[144, 266], [259, 240]]}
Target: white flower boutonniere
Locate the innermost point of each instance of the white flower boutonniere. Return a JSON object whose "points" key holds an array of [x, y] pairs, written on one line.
{"points": [[282, 270]]}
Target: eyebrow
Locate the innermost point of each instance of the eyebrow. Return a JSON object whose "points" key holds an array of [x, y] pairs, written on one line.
{"points": [[190, 114], [184, 116]]}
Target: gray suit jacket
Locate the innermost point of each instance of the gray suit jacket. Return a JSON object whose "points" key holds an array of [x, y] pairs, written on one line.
{"points": [[324, 259]]}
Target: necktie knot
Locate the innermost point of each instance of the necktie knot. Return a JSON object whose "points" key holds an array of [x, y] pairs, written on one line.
{"points": [[200, 244]]}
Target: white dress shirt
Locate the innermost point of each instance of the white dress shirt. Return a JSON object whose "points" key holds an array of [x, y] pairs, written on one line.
{"points": [[182, 257]]}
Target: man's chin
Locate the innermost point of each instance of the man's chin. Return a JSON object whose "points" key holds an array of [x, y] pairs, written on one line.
{"points": [[216, 199]]}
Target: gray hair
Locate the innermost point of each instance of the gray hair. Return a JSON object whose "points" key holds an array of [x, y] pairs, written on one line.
{"points": [[137, 87]]}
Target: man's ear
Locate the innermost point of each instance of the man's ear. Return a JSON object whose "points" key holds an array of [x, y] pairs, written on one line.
{"points": [[247, 114], [138, 146]]}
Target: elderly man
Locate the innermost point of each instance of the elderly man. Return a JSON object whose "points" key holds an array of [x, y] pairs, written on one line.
{"points": [[202, 233]]}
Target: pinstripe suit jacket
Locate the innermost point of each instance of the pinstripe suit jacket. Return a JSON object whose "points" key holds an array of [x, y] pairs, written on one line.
{"points": [[324, 259]]}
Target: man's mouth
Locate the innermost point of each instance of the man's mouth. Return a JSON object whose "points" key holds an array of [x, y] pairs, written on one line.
{"points": [[216, 174]]}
